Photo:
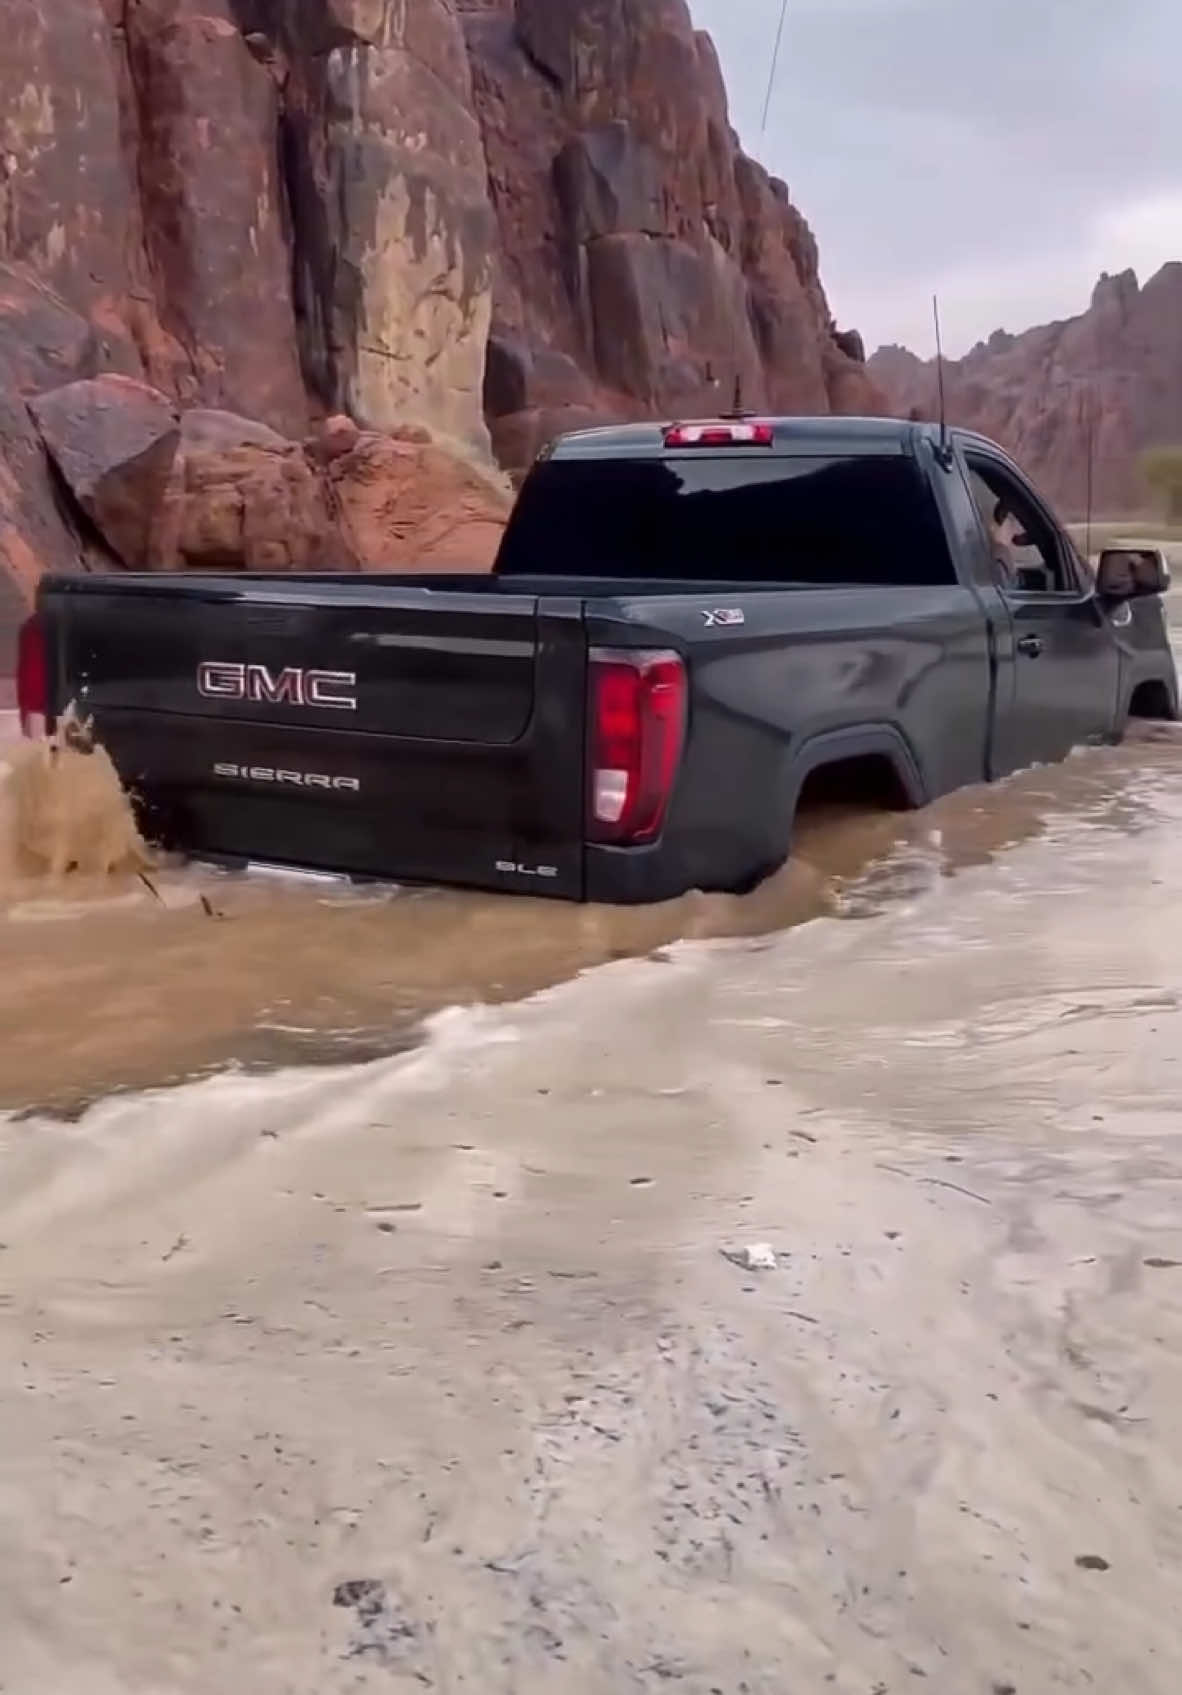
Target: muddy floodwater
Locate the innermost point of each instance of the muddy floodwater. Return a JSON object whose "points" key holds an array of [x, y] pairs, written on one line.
{"points": [[139, 980], [432, 1359]]}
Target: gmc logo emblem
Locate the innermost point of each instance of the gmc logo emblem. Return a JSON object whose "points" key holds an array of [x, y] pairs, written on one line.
{"points": [[221, 679]]}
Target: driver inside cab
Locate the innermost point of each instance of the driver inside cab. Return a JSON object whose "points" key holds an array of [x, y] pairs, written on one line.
{"points": [[1005, 538], [1005, 535]]}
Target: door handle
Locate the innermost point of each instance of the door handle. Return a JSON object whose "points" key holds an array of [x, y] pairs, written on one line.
{"points": [[1031, 646]]}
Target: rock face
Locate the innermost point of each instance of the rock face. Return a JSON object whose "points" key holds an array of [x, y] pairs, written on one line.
{"points": [[387, 192], [643, 264], [491, 219], [1112, 376]]}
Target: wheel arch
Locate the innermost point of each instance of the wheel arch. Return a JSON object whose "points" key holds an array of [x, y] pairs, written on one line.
{"points": [[867, 752]]}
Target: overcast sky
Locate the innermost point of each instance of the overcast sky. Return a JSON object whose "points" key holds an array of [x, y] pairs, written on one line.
{"points": [[1002, 152]]}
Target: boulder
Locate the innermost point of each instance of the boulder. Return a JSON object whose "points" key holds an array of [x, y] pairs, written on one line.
{"points": [[335, 437], [407, 502], [247, 505], [211, 429], [36, 534], [241, 498], [43, 344], [113, 441]]}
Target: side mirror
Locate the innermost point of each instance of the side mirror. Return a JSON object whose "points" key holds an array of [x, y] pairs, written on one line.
{"points": [[1128, 573]]}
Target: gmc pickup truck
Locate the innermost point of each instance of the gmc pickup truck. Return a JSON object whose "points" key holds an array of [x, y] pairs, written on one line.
{"points": [[688, 626]]}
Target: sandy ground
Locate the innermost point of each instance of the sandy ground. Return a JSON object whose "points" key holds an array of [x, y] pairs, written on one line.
{"points": [[432, 1373]]}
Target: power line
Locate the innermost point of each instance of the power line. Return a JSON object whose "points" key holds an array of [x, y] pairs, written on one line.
{"points": [[771, 81]]}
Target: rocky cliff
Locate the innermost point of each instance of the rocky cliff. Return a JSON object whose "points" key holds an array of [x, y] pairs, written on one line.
{"points": [[1112, 375], [642, 262], [437, 223]]}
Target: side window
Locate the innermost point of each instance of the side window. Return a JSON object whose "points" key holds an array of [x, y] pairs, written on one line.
{"points": [[1025, 548]]}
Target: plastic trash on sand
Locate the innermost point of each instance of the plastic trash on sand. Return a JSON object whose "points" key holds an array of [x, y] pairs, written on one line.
{"points": [[757, 1256]]}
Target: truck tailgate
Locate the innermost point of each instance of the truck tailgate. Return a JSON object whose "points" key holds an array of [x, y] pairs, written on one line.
{"points": [[395, 732]]}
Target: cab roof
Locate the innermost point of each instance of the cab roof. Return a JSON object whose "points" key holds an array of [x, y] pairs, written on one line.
{"points": [[800, 437]]}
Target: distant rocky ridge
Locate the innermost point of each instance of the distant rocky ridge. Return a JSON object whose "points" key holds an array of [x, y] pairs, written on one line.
{"points": [[1113, 376], [483, 219]]}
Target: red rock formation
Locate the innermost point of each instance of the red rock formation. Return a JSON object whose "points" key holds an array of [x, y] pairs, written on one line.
{"points": [[225, 493], [242, 497], [278, 210], [1113, 375], [113, 441], [644, 263], [43, 345]]}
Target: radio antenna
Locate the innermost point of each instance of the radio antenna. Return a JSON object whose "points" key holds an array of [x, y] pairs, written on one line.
{"points": [[943, 452], [738, 410], [771, 81], [1091, 473]]}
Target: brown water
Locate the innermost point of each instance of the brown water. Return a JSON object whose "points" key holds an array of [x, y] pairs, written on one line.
{"points": [[130, 980]]}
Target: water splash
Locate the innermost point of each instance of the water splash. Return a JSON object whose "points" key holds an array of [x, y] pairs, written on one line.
{"points": [[63, 809]]}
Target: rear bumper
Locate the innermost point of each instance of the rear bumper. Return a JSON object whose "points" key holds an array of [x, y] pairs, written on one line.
{"points": [[615, 877], [636, 876]]}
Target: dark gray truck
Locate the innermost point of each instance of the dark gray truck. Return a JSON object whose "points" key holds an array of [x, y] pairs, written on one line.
{"points": [[687, 626]]}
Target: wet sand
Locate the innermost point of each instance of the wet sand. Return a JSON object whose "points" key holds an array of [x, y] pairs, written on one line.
{"points": [[432, 1373]]}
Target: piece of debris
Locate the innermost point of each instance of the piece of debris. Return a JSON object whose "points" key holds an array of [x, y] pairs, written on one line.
{"points": [[758, 1256], [178, 1247], [1157, 1264], [1091, 1562], [382, 1633], [957, 1188], [366, 1596]]}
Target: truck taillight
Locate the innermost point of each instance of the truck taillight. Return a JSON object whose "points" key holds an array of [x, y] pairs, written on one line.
{"points": [[32, 678], [637, 724]]}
